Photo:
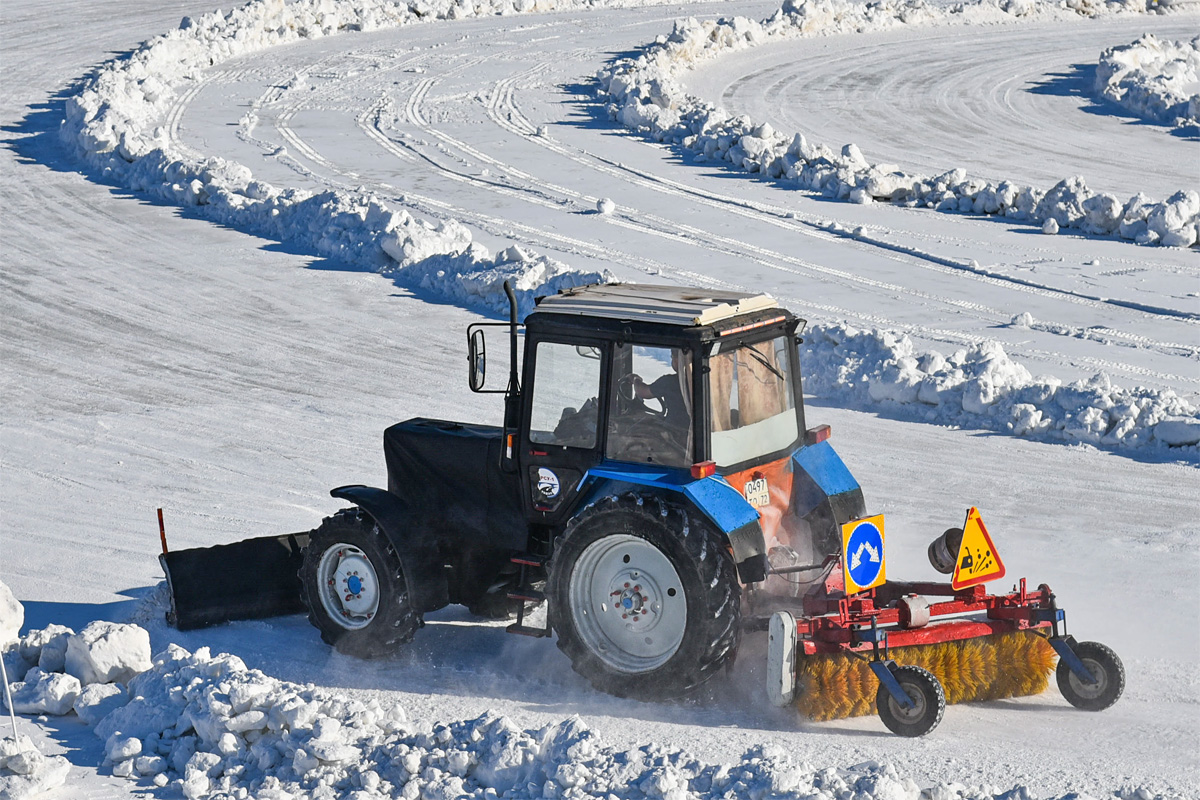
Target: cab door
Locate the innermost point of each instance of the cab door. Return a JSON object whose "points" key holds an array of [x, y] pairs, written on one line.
{"points": [[562, 433]]}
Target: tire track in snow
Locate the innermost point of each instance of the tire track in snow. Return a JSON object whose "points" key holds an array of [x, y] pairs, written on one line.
{"points": [[502, 108], [500, 102], [779, 216]]}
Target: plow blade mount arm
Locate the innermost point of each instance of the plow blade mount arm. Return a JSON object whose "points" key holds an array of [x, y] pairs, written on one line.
{"points": [[251, 579]]}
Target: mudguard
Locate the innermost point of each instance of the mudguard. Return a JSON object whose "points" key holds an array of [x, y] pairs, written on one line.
{"points": [[713, 497], [825, 494], [422, 564]]}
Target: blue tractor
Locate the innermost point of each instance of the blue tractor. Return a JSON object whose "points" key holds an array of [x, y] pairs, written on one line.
{"points": [[653, 484]]}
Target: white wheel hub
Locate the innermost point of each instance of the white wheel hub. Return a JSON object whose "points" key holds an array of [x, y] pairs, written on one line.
{"points": [[348, 586], [1090, 691], [918, 704], [628, 603]]}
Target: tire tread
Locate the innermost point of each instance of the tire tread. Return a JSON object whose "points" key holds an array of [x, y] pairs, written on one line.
{"points": [[721, 604], [395, 622]]}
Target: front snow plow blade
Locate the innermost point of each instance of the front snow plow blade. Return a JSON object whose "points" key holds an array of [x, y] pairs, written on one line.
{"points": [[251, 579]]}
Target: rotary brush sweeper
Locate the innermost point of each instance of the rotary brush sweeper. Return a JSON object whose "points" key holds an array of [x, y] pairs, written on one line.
{"points": [[655, 486]]}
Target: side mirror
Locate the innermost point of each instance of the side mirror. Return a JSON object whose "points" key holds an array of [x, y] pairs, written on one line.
{"points": [[477, 359]]}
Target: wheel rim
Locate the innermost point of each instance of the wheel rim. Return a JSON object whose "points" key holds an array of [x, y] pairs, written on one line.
{"points": [[348, 586], [1090, 691], [628, 603], [908, 715]]}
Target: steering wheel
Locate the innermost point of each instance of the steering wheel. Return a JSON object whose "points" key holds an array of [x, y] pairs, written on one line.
{"points": [[628, 401]]}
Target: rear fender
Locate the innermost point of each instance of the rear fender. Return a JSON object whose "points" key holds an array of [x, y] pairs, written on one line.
{"points": [[825, 494], [713, 497], [420, 561]]}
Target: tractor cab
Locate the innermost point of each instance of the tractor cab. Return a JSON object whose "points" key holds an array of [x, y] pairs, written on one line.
{"points": [[672, 390]]}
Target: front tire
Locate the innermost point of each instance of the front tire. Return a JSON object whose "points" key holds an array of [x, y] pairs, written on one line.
{"points": [[644, 598], [1105, 666], [353, 583], [929, 703]]}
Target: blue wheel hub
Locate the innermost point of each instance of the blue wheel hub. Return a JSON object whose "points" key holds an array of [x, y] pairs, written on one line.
{"points": [[354, 584]]}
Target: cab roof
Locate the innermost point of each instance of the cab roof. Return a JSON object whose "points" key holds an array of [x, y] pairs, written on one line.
{"points": [[665, 305]]}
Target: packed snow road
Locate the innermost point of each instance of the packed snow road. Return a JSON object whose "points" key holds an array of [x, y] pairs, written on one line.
{"points": [[498, 128], [1013, 104], [151, 358]]}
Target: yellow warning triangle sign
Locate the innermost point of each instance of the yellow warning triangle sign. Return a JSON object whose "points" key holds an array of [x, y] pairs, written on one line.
{"points": [[978, 560]]}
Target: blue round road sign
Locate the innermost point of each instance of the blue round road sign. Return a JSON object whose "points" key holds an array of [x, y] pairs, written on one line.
{"points": [[864, 553]]}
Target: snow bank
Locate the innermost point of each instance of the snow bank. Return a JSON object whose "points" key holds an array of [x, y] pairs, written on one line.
{"points": [[645, 94], [114, 123], [12, 615], [105, 652], [1155, 79], [25, 772], [981, 387], [208, 727]]}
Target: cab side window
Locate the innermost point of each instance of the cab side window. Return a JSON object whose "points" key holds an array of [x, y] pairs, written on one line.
{"points": [[565, 410]]}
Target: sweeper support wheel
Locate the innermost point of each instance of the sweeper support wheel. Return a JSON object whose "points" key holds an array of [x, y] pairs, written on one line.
{"points": [[1108, 675], [927, 702]]}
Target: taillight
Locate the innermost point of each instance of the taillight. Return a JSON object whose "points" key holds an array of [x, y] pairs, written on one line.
{"points": [[818, 434], [704, 469]]}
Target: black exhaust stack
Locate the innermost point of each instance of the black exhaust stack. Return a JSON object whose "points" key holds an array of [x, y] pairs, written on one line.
{"points": [[512, 397]]}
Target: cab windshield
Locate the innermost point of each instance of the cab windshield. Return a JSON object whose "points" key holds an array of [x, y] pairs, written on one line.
{"points": [[752, 407]]}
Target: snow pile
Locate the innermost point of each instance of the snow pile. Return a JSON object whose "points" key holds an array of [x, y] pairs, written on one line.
{"points": [[24, 771], [114, 122], [57, 663], [645, 94], [1155, 79], [12, 615], [105, 652], [114, 119], [981, 387], [211, 728]]}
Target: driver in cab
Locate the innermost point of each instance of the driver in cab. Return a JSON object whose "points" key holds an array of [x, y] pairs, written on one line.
{"points": [[669, 392]]}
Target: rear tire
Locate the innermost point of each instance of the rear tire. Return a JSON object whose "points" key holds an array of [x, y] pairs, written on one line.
{"points": [[353, 583], [1105, 666], [644, 597], [929, 703]]}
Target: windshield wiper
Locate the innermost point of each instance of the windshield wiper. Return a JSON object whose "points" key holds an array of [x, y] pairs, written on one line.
{"points": [[759, 358]]}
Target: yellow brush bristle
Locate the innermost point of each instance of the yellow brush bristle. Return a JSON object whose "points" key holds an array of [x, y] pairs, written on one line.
{"points": [[987, 668]]}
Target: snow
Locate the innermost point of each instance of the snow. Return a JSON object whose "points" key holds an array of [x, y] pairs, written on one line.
{"points": [[12, 615], [983, 388], [25, 772], [1155, 79], [213, 728], [647, 93], [46, 647], [98, 700], [42, 692], [113, 120], [105, 652], [233, 372]]}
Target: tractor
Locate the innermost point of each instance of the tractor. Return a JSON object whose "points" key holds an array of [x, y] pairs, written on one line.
{"points": [[655, 486]]}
